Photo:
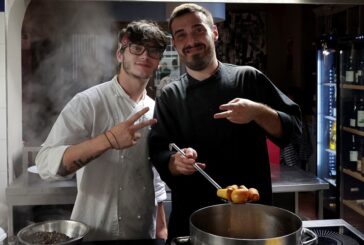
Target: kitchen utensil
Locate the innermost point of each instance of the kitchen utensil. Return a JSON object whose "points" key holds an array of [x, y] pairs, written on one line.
{"points": [[73, 229], [249, 224], [213, 182]]}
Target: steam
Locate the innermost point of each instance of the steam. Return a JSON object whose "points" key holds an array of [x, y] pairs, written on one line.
{"points": [[68, 46]]}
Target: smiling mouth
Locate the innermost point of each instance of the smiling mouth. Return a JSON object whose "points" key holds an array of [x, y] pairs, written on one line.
{"points": [[143, 64], [194, 49]]}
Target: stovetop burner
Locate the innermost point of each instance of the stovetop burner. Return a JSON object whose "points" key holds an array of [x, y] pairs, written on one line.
{"points": [[327, 237]]}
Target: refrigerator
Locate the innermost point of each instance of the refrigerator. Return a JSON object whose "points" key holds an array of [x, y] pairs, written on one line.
{"points": [[340, 126]]}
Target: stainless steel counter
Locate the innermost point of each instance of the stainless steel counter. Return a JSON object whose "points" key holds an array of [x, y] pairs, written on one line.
{"points": [[30, 189], [294, 179]]}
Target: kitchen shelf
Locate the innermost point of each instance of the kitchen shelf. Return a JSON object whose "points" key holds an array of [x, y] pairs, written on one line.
{"points": [[329, 84], [354, 206], [331, 181], [331, 118], [333, 152], [354, 131], [352, 86], [353, 174]]}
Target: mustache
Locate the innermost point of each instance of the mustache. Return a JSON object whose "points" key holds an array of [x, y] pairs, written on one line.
{"points": [[196, 45]]}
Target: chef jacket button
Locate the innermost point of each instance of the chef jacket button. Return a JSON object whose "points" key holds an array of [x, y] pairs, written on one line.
{"points": [[139, 217], [119, 218], [121, 188], [148, 158], [122, 156]]}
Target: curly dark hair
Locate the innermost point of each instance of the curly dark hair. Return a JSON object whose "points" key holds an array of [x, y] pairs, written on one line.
{"points": [[141, 32]]}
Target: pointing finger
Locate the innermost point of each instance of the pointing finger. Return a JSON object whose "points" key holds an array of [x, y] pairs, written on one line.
{"points": [[229, 106], [224, 114], [137, 126], [137, 115]]}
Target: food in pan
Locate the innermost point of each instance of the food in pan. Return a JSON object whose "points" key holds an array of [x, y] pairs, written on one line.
{"points": [[43, 237], [238, 194]]}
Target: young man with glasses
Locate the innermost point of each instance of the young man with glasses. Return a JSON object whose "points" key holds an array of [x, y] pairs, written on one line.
{"points": [[101, 135]]}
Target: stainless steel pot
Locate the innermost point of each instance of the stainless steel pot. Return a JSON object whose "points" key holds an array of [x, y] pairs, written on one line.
{"points": [[236, 224]]}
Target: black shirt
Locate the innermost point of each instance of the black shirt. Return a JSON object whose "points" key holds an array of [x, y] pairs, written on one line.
{"points": [[233, 153]]}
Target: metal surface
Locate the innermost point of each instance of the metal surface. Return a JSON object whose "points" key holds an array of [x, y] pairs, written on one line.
{"points": [[73, 229], [247, 224], [30, 189], [213, 182], [294, 179], [332, 223], [316, 2]]}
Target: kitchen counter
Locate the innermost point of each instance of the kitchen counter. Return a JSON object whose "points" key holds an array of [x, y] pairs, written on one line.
{"points": [[293, 179], [30, 189]]}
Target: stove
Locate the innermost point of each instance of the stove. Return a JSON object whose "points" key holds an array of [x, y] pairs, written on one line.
{"points": [[329, 232], [334, 232]]}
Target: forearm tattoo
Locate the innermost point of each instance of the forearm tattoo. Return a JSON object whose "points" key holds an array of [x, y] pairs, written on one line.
{"points": [[77, 164]]}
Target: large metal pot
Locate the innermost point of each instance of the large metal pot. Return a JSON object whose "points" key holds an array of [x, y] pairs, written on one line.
{"points": [[236, 224]]}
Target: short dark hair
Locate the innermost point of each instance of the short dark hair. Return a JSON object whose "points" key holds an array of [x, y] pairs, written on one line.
{"points": [[186, 9], [143, 31]]}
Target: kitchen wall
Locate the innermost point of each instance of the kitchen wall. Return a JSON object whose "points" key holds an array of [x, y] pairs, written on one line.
{"points": [[3, 127]]}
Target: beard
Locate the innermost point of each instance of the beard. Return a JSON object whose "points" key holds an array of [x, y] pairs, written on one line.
{"points": [[199, 61], [126, 66]]}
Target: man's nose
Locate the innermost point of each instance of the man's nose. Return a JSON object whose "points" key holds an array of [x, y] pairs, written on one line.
{"points": [[145, 54]]}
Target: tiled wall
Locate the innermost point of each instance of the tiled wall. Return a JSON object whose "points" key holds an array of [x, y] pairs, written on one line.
{"points": [[3, 127]]}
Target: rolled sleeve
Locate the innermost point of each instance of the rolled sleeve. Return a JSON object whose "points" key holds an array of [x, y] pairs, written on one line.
{"points": [[159, 187], [48, 161]]}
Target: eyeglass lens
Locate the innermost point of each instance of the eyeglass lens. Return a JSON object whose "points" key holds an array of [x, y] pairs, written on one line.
{"points": [[153, 52]]}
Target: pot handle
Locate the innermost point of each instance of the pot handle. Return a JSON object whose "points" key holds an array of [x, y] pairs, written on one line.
{"points": [[181, 240], [310, 233]]}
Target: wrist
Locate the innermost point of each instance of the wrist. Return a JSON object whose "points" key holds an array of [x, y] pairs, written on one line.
{"points": [[109, 140]]}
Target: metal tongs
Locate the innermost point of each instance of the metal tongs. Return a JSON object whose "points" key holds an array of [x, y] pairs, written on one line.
{"points": [[213, 182]]}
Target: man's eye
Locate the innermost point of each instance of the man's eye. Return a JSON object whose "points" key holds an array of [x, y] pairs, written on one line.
{"points": [[180, 36], [199, 30], [138, 48]]}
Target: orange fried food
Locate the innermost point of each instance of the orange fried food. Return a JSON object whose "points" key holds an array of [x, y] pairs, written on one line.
{"points": [[240, 194]]}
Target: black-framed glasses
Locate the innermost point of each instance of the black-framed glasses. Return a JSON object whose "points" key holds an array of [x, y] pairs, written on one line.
{"points": [[153, 52]]}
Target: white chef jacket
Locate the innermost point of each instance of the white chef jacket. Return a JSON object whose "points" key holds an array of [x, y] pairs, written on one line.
{"points": [[115, 195]]}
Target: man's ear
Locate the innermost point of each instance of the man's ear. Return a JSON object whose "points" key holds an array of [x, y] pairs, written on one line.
{"points": [[119, 55], [215, 32]]}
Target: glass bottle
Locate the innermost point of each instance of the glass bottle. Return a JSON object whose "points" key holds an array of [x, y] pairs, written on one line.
{"points": [[360, 114], [349, 71], [353, 154], [332, 141], [353, 113], [359, 75]]}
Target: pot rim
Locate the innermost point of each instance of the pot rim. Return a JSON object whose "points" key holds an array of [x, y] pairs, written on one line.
{"points": [[245, 239]]}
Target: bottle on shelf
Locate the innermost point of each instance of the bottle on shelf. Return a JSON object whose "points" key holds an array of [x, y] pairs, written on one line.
{"points": [[361, 157], [353, 154], [332, 141], [360, 114], [350, 71], [353, 113], [359, 75]]}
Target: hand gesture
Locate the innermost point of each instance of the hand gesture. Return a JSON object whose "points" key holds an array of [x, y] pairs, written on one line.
{"points": [[125, 134], [238, 111], [179, 164]]}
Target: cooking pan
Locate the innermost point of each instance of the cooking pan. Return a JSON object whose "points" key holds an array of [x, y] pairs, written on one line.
{"points": [[237, 224]]}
